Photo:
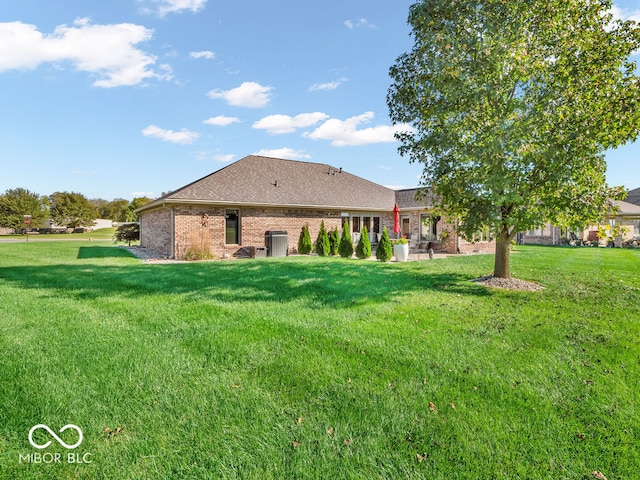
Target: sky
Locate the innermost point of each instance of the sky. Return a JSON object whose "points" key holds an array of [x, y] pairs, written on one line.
{"points": [[131, 98]]}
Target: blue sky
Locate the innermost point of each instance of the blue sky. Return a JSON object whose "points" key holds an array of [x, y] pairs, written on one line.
{"points": [[127, 98]]}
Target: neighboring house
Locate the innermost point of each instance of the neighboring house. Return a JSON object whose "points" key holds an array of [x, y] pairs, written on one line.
{"points": [[232, 209], [626, 216]]}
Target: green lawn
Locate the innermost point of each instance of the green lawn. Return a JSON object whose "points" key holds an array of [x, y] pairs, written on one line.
{"points": [[304, 367], [99, 234]]}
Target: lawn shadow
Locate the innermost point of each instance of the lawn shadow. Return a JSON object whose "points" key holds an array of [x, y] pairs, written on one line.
{"points": [[102, 252], [327, 282]]}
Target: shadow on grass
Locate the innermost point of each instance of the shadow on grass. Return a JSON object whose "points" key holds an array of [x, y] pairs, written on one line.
{"points": [[101, 252], [328, 282]]}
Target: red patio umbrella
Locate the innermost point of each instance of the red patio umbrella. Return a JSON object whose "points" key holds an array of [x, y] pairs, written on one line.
{"points": [[396, 219]]}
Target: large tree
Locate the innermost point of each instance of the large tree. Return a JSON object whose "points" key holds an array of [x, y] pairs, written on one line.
{"points": [[115, 209], [512, 105], [18, 202], [72, 210], [130, 213]]}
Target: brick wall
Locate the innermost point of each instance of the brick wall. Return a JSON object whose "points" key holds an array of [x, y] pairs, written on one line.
{"points": [[155, 230], [254, 223], [192, 229]]}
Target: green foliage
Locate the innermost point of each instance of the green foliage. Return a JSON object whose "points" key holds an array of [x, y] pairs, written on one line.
{"points": [[384, 252], [400, 241], [130, 213], [72, 210], [17, 202], [323, 247], [129, 232], [304, 241], [334, 241], [510, 105], [363, 249], [115, 210], [345, 249]]}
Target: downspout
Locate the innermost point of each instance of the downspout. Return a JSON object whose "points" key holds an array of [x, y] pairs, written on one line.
{"points": [[173, 233]]}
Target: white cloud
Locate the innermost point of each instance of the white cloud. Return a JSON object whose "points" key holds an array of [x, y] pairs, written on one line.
{"points": [[164, 7], [287, 153], [249, 94], [326, 86], [361, 22], [625, 14], [224, 158], [206, 54], [397, 187], [184, 136], [343, 133], [142, 194], [221, 121], [279, 124], [107, 51]]}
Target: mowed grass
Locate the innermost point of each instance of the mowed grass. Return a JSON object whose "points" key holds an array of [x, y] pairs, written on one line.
{"points": [[304, 367], [98, 234]]}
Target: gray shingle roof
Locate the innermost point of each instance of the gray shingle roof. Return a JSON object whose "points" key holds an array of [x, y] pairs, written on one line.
{"points": [[626, 208], [633, 196], [256, 180], [409, 199]]}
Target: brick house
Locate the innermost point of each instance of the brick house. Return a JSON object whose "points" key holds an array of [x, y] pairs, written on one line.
{"points": [[626, 216], [233, 208]]}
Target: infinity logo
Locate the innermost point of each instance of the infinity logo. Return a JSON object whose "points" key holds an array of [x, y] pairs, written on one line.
{"points": [[58, 439]]}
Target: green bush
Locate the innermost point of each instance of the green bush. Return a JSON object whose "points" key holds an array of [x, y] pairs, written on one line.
{"points": [[304, 242], [363, 250], [384, 251], [322, 242], [334, 241], [345, 249]]}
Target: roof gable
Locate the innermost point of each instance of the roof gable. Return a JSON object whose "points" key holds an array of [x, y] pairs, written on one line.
{"points": [[414, 198]]}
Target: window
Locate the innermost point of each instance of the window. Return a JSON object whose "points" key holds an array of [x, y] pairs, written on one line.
{"points": [[232, 227], [636, 228], [356, 224], [483, 235], [405, 229], [428, 228], [366, 222], [376, 225]]}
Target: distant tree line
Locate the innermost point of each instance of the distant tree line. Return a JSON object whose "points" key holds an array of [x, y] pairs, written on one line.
{"points": [[66, 209]]}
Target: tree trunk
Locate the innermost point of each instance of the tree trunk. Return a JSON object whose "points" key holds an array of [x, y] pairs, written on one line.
{"points": [[501, 266]]}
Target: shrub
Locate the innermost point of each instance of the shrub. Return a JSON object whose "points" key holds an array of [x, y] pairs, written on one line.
{"points": [[345, 249], [199, 246], [334, 241], [384, 251], [197, 252], [322, 242], [128, 232], [304, 242], [363, 250]]}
